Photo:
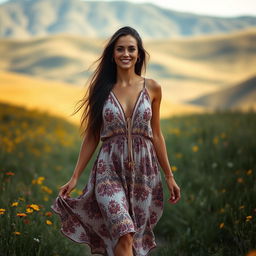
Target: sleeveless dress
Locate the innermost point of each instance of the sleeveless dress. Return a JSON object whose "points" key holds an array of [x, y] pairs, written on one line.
{"points": [[124, 192]]}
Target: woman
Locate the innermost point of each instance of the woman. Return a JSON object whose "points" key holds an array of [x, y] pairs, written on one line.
{"points": [[123, 199]]}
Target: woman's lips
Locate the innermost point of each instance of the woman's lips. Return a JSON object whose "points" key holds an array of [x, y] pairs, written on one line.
{"points": [[125, 61]]}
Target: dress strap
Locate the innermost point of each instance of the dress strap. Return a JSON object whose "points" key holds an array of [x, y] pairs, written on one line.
{"points": [[144, 85]]}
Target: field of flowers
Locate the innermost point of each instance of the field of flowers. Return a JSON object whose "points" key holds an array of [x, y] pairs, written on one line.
{"points": [[37, 155], [213, 157], [214, 161]]}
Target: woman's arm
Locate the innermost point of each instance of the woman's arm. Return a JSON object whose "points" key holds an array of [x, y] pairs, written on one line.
{"points": [[158, 138], [88, 146], [159, 141]]}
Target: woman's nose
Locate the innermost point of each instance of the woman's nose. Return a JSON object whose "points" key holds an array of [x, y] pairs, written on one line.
{"points": [[126, 52]]}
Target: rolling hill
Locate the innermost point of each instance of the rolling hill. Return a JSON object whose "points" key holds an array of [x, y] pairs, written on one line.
{"points": [[29, 18], [60, 98], [240, 96], [186, 68]]}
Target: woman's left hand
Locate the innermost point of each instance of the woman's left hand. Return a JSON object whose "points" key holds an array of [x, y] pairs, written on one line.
{"points": [[174, 190]]}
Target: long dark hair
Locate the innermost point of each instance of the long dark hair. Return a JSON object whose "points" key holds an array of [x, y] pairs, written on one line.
{"points": [[103, 80]]}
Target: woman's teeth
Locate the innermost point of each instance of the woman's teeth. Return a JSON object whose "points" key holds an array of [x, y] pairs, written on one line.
{"points": [[125, 61]]}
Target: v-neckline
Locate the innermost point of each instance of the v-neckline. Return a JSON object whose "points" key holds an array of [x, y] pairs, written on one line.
{"points": [[134, 106]]}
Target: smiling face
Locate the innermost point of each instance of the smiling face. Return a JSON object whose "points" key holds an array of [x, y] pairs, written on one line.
{"points": [[126, 52]]}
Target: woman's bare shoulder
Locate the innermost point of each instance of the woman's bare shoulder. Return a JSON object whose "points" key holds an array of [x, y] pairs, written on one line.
{"points": [[154, 88]]}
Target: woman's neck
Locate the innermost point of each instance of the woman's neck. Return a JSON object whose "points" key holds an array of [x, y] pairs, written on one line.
{"points": [[125, 77]]}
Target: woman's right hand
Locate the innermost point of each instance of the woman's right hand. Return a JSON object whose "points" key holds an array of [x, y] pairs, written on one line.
{"points": [[174, 190], [67, 188]]}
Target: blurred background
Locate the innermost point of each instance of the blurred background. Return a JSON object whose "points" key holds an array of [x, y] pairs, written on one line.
{"points": [[203, 53]]}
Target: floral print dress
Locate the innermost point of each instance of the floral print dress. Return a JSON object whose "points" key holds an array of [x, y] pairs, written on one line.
{"points": [[124, 192]]}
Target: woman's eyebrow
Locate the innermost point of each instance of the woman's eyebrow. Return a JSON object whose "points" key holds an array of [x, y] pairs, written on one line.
{"points": [[123, 46]]}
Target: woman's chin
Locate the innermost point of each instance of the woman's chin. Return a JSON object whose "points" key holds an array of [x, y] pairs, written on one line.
{"points": [[126, 66]]}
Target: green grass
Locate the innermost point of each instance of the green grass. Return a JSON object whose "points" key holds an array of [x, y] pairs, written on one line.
{"points": [[217, 184], [214, 162]]}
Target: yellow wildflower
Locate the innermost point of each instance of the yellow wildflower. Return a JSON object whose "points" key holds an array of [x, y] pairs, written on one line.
{"points": [[80, 192], [39, 180], [46, 198], [175, 131], [178, 155], [174, 168], [16, 233], [221, 225], [46, 189], [195, 148], [249, 172], [21, 214], [248, 218], [34, 207], [14, 203], [48, 222], [29, 210], [215, 140], [2, 211]]}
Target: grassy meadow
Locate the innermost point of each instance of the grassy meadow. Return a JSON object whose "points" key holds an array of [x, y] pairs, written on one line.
{"points": [[213, 158], [59, 98]]}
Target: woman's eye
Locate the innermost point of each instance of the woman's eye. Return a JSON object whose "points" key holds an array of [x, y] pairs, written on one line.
{"points": [[129, 49]]}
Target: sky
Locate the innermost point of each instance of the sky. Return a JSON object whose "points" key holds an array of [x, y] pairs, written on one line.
{"points": [[223, 8], [209, 7]]}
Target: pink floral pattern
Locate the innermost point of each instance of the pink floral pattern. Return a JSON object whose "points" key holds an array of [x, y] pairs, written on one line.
{"points": [[116, 200]]}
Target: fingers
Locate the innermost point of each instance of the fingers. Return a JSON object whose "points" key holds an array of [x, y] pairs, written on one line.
{"points": [[172, 198], [172, 194], [64, 192], [175, 195]]}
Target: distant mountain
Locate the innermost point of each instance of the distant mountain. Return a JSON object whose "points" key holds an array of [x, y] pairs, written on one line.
{"points": [[240, 96], [27, 18]]}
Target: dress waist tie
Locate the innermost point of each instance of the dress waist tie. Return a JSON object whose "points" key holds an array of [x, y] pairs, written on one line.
{"points": [[131, 162]]}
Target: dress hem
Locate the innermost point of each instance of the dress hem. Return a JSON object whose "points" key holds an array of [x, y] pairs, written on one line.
{"points": [[84, 242], [90, 245], [134, 250], [150, 249]]}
